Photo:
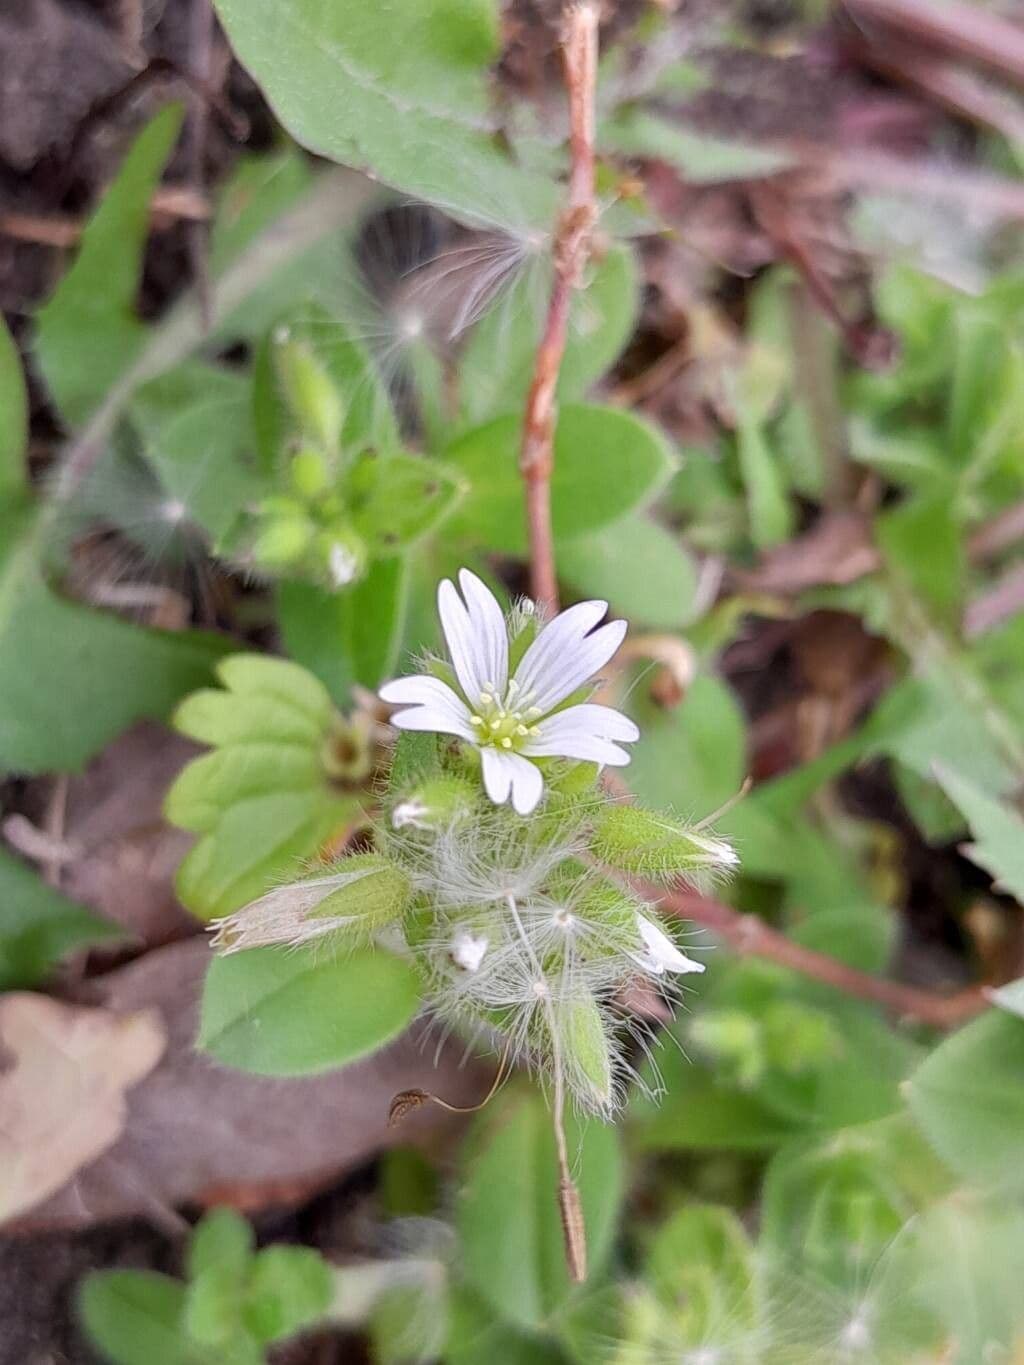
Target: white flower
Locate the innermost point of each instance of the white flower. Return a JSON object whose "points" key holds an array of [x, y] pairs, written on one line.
{"points": [[343, 565], [468, 949], [660, 954], [512, 721]]}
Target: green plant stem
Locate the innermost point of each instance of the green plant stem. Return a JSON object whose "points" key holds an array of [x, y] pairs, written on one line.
{"points": [[568, 1195]]}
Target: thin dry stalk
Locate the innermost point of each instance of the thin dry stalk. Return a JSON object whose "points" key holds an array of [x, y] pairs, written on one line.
{"points": [[570, 251]]}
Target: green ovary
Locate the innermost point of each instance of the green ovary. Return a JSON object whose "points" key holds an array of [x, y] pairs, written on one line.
{"points": [[500, 724]]}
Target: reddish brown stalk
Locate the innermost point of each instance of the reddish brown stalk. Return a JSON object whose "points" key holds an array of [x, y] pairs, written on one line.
{"points": [[570, 251], [749, 934], [965, 31]]}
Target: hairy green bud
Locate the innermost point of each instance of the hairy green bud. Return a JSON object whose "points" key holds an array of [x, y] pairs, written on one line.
{"points": [[309, 391], [435, 804], [646, 844], [283, 540], [309, 472], [362, 895]]}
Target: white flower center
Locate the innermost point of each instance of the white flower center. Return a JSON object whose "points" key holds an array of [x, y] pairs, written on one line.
{"points": [[505, 722]]}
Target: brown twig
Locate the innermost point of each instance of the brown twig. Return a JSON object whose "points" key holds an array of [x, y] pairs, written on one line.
{"points": [[169, 204], [749, 934], [570, 251]]}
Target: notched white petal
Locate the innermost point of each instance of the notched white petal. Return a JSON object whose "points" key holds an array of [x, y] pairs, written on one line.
{"points": [[660, 954]]}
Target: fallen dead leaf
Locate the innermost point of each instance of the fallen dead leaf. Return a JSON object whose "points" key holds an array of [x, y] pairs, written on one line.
{"points": [[62, 1096], [837, 550], [201, 1133]]}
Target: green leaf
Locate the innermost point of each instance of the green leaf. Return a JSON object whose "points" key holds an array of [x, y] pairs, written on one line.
{"points": [[496, 365], [135, 1317], [701, 157], [222, 1241], [997, 829], [968, 1269], [347, 637], [638, 567], [38, 926], [689, 758], [922, 542], [297, 1011], [768, 506], [508, 1215], [88, 332], [118, 672], [607, 464], [196, 433], [255, 843], [207, 786], [477, 1337], [13, 416], [397, 499], [290, 1288], [968, 1097], [264, 800], [260, 189], [406, 99], [702, 1265], [700, 1112]]}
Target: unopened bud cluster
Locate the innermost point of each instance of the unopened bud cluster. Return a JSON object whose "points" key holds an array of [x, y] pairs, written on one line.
{"points": [[307, 529]]}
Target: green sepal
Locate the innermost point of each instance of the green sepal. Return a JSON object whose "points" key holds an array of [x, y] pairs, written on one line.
{"points": [[646, 844]]}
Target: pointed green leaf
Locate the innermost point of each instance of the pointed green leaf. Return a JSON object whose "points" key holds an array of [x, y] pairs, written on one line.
{"points": [[38, 926], [88, 332], [13, 416], [997, 828]]}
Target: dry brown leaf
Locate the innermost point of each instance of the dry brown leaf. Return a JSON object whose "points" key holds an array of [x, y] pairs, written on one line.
{"points": [[837, 550], [201, 1133], [62, 1094]]}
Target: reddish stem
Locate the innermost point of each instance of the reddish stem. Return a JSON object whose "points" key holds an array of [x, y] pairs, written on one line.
{"points": [[749, 934], [570, 251]]}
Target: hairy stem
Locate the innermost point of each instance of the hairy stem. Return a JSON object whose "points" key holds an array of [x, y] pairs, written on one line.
{"points": [[568, 1196], [570, 250]]}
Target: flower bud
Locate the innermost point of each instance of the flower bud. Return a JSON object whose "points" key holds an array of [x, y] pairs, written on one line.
{"points": [[309, 472], [435, 805], [309, 391], [644, 844], [365, 894], [343, 554], [283, 540]]}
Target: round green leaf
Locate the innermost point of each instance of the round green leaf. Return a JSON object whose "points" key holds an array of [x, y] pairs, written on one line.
{"points": [[135, 1316], [295, 1011], [607, 463], [968, 1098], [639, 567]]}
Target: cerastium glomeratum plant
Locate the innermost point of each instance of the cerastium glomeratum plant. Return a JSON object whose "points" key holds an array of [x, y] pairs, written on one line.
{"points": [[500, 864]]}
